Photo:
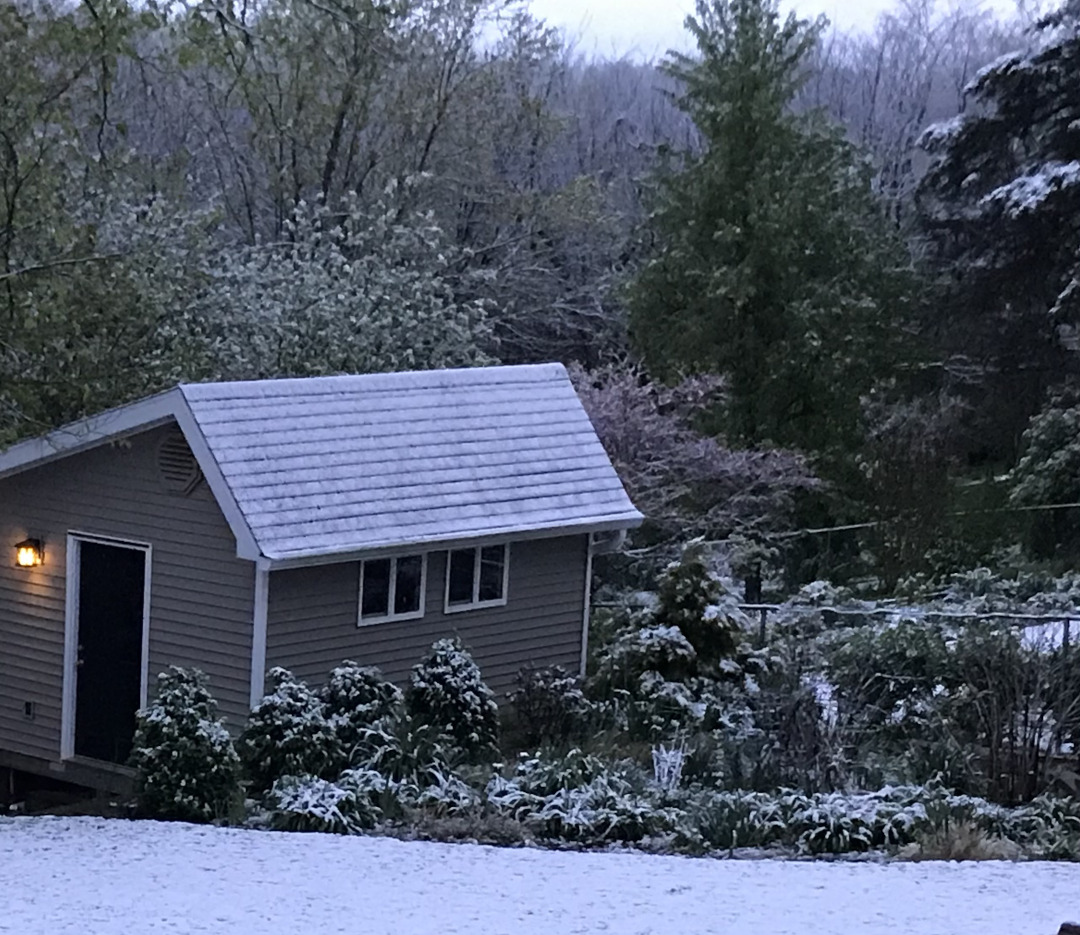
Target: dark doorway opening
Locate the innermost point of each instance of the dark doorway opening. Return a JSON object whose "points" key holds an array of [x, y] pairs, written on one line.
{"points": [[108, 680]]}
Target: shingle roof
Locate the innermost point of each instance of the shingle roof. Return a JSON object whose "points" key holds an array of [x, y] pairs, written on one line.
{"points": [[325, 466], [338, 464]]}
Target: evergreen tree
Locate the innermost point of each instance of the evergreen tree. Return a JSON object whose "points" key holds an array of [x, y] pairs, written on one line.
{"points": [[1001, 207], [775, 265]]}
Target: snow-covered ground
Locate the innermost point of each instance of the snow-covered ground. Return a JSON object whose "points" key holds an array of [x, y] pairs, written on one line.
{"points": [[99, 877]]}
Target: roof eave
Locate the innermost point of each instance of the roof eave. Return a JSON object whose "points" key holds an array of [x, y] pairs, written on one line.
{"points": [[90, 432], [118, 423], [615, 522]]}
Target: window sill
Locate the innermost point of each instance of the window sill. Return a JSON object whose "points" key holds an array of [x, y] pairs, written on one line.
{"points": [[390, 618], [479, 605]]}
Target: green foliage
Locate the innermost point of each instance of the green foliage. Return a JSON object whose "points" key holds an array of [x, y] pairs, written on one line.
{"points": [[355, 697], [999, 202], [579, 798], [447, 691], [690, 598], [1049, 468], [928, 698], [185, 765], [288, 734], [774, 266], [549, 704], [309, 803], [350, 287]]}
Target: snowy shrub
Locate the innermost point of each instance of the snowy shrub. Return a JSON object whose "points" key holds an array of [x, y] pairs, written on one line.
{"points": [[580, 798], [1048, 471], [824, 825], [406, 752], [446, 690], [739, 819], [355, 697], [605, 809], [310, 803], [638, 650], [185, 764], [690, 599], [549, 704], [447, 796], [288, 734]]}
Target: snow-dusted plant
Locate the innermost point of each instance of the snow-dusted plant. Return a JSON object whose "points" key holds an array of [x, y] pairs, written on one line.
{"points": [[683, 479], [447, 795], [668, 766], [447, 691], [310, 803], [580, 798], [549, 704], [349, 287], [185, 764], [355, 697], [739, 819], [288, 734], [637, 650], [406, 753], [690, 599]]}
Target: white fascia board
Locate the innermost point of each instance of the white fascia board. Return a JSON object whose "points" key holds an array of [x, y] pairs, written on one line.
{"points": [[246, 546], [114, 424], [511, 534], [89, 432]]}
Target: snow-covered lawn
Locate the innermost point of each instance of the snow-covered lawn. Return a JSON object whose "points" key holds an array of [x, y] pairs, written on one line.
{"points": [[100, 877]]}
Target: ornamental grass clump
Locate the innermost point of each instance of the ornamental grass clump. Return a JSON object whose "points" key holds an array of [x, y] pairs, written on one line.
{"points": [[186, 766]]}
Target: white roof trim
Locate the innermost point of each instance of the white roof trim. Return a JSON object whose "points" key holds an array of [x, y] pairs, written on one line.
{"points": [[140, 416], [510, 534], [89, 433], [182, 406]]}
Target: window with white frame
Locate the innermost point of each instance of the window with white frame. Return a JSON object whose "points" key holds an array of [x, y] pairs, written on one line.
{"points": [[392, 588], [477, 577]]}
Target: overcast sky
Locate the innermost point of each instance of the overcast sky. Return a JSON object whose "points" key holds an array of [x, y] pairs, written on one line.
{"points": [[650, 27]]}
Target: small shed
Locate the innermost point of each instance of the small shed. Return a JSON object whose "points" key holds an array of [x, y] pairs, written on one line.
{"points": [[296, 522]]}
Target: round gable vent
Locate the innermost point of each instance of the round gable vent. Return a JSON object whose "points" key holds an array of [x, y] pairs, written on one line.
{"points": [[177, 467]]}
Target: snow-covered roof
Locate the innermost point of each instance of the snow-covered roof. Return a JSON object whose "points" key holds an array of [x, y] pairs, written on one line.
{"points": [[327, 466]]}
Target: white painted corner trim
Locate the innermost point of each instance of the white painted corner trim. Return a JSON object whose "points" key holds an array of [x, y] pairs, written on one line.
{"points": [[587, 605], [258, 632], [69, 690]]}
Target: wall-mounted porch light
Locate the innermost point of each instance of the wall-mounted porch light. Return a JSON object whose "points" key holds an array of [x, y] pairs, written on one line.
{"points": [[29, 552]]}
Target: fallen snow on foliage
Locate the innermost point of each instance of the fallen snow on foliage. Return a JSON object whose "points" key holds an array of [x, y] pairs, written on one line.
{"points": [[1027, 192], [137, 878]]}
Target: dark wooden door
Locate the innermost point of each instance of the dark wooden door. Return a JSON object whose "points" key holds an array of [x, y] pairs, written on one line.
{"points": [[109, 661]]}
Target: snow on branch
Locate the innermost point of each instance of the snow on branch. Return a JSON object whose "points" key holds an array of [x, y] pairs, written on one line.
{"points": [[680, 478]]}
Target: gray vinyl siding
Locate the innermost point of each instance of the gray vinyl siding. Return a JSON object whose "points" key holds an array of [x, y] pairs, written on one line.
{"points": [[201, 595], [312, 624]]}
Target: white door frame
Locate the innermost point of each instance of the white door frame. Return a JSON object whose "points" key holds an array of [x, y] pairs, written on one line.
{"points": [[71, 629]]}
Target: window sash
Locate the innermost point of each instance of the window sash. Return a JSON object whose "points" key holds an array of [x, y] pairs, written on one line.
{"points": [[479, 561], [391, 598]]}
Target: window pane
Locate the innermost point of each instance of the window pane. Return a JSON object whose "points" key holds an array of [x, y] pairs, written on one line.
{"points": [[462, 565], [376, 588], [407, 593], [492, 563]]}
